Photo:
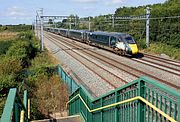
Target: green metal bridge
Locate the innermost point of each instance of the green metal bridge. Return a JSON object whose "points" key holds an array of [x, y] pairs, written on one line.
{"points": [[138, 101]]}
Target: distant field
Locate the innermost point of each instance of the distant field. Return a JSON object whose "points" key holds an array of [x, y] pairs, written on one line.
{"points": [[7, 35]]}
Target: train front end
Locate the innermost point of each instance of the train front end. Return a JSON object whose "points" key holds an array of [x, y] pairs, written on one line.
{"points": [[131, 47], [128, 45]]}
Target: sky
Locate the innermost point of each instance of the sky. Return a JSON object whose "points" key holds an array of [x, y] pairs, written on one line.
{"points": [[24, 11]]}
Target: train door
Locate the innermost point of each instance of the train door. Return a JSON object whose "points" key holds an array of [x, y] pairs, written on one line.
{"points": [[86, 37], [113, 41]]}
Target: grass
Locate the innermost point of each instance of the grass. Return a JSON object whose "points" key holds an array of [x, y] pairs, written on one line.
{"points": [[22, 60], [2, 103], [160, 48], [47, 91], [7, 35]]}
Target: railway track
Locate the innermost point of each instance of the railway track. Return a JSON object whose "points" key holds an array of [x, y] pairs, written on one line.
{"points": [[169, 61], [128, 69], [66, 49], [158, 65]]}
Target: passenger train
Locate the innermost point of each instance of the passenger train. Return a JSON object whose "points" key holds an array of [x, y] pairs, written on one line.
{"points": [[120, 43]]}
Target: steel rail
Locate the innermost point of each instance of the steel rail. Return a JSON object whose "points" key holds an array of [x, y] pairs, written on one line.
{"points": [[110, 62], [99, 65], [86, 65], [147, 61]]}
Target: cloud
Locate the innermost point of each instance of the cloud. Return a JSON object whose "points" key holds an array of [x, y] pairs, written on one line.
{"points": [[114, 2], [87, 8], [86, 1], [15, 12], [107, 2]]}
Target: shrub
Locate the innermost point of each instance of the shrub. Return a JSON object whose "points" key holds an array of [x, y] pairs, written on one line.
{"points": [[9, 70], [47, 91], [10, 65], [4, 46], [160, 48], [141, 44], [26, 35]]}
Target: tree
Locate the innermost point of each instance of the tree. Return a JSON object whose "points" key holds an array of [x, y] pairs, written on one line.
{"points": [[50, 21]]}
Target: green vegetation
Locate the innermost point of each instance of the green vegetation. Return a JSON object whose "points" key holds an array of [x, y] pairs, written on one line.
{"points": [[15, 28], [21, 60], [45, 88], [159, 48], [15, 55]]}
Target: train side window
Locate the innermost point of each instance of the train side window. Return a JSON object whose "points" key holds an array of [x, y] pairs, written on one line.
{"points": [[120, 39], [113, 40]]}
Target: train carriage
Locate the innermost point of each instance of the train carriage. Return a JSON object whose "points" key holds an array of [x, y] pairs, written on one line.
{"points": [[56, 30], [63, 32], [77, 35], [120, 43]]}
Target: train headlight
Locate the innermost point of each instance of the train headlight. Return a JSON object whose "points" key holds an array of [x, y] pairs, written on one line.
{"points": [[126, 49]]}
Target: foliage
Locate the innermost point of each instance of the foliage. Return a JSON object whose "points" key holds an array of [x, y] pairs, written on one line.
{"points": [[47, 98], [21, 59], [15, 55], [2, 103], [4, 46], [15, 28], [26, 35], [44, 87], [21, 50], [50, 21], [159, 48]]}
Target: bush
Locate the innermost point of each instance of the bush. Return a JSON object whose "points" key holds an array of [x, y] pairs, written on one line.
{"points": [[22, 50], [141, 44], [26, 35], [10, 65], [4, 46], [2, 103], [9, 70], [160, 48], [48, 91]]}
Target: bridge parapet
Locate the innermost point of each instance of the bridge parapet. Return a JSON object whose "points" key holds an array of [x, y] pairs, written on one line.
{"points": [[138, 101]]}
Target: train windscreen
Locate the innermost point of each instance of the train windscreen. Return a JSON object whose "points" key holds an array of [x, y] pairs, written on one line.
{"points": [[129, 40]]}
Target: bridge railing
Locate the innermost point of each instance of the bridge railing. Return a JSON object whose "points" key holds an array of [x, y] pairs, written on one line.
{"points": [[16, 109], [73, 86], [141, 100]]}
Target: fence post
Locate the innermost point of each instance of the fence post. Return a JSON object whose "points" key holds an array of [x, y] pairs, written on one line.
{"points": [[29, 107], [71, 86], [22, 116], [141, 105], [116, 109], [25, 101], [178, 108], [101, 110], [16, 112], [90, 113], [87, 109]]}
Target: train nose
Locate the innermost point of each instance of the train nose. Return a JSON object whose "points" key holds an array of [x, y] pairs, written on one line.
{"points": [[133, 48]]}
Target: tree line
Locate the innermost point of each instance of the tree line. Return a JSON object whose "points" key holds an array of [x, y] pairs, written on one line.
{"points": [[164, 25]]}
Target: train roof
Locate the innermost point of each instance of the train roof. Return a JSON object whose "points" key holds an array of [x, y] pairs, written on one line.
{"points": [[78, 30], [63, 29], [109, 33]]}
